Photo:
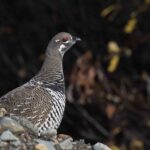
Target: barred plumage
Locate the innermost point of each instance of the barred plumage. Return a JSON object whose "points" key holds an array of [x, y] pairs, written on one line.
{"points": [[42, 99]]}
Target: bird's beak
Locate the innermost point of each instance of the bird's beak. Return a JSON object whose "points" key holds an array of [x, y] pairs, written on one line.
{"points": [[76, 39]]}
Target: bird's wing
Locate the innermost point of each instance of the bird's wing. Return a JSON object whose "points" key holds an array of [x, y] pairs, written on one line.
{"points": [[32, 102]]}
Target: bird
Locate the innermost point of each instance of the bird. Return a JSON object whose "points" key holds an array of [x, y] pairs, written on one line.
{"points": [[42, 99]]}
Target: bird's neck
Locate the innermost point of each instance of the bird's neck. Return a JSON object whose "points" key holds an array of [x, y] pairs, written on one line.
{"points": [[51, 72]]}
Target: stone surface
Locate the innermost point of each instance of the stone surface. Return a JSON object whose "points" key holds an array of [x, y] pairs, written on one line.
{"points": [[100, 146], [27, 140], [8, 136], [3, 144], [62, 137], [26, 124], [41, 147], [7, 123], [66, 144], [80, 145], [49, 144], [50, 133], [16, 143], [3, 112]]}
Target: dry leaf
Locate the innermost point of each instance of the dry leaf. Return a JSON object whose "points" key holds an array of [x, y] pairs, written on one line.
{"points": [[147, 1], [137, 144], [113, 147], [130, 25], [110, 110], [108, 10], [113, 63], [113, 47]]}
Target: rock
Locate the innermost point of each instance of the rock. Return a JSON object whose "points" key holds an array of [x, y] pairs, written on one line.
{"points": [[10, 124], [100, 146], [62, 137], [3, 112], [3, 144], [49, 144], [26, 124], [66, 144], [50, 133], [23, 147], [41, 147], [80, 145], [14, 137], [16, 143], [8, 136]]}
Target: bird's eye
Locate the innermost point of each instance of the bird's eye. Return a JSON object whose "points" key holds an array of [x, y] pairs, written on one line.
{"points": [[65, 39]]}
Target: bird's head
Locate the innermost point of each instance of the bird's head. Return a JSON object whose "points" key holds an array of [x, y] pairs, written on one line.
{"points": [[61, 42]]}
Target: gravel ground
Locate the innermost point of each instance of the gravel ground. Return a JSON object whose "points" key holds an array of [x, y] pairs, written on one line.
{"points": [[14, 135]]}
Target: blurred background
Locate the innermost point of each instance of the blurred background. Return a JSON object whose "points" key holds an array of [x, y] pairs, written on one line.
{"points": [[107, 74]]}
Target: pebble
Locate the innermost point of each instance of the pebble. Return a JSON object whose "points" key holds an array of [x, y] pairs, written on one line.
{"points": [[8, 136], [13, 135], [50, 133], [62, 137], [100, 146], [16, 143], [3, 144], [41, 147], [66, 144], [49, 144], [26, 124], [10, 124], [3, 112]]}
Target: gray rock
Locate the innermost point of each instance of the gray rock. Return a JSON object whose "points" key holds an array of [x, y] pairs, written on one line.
{"points": [[3, 112], [80, 145], [49, 144], [26, 124], [3, 144], [8, 136], [50, 133], [16, 143], [66, 144], [100, 146], [10, 124]]}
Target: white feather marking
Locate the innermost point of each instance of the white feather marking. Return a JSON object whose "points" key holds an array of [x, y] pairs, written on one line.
{"points": [[34, 112], [28, 98], [25, 109], [39, 82], [61, 48], [22, 112], [19, 105], [33, 117], [29, 117], [27, 103], [15, 109], [57, 41]]}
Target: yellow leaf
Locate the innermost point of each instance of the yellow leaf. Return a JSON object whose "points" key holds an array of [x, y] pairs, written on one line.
{"points": [[108, 10], [136, 144], [130, 25], [113, 47], [116, 130], [113, 147], [113, 63], [147, 1]]}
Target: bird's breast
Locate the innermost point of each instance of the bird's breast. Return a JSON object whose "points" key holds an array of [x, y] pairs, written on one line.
{"points": [[55, 116]]}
